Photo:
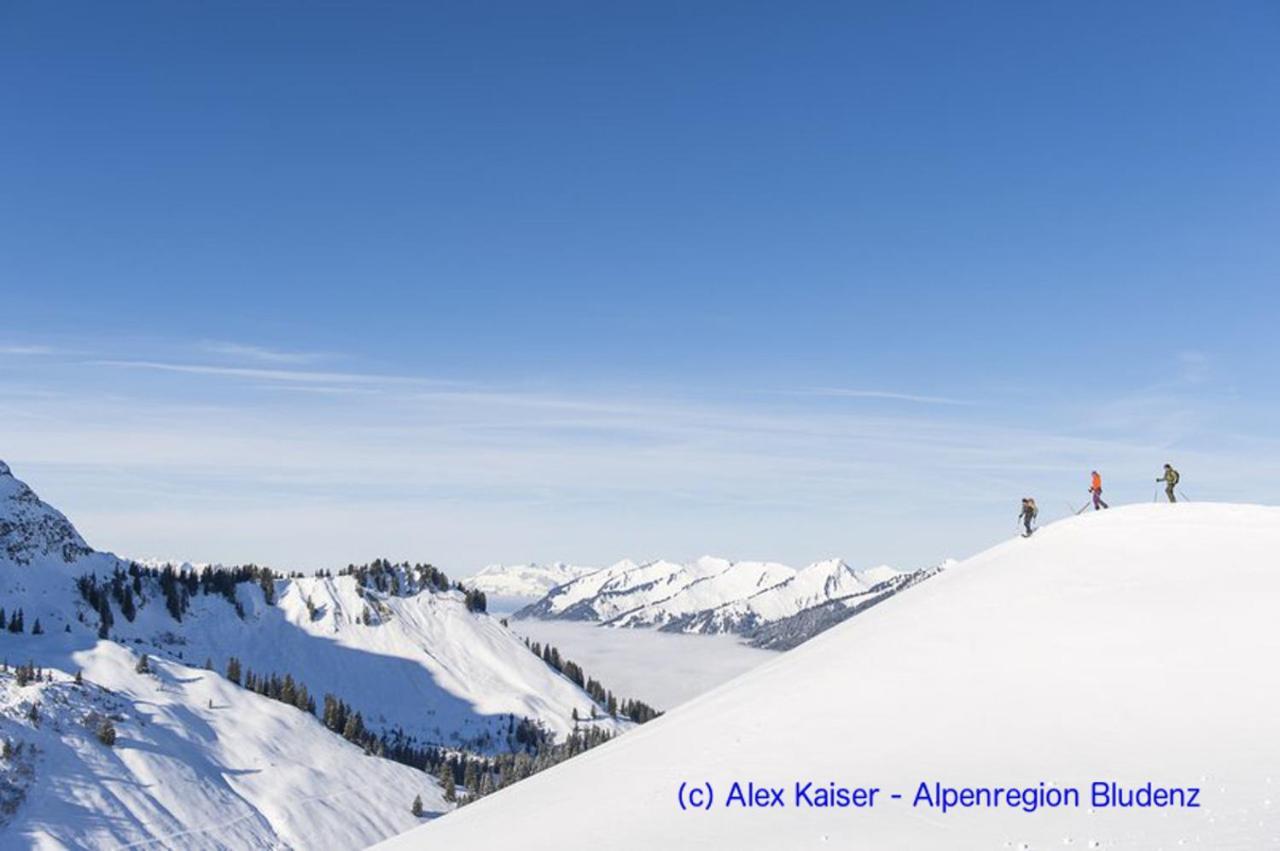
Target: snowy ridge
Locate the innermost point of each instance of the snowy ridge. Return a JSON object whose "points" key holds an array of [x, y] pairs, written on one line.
{"points": [[1094, 651], [712, 595]]}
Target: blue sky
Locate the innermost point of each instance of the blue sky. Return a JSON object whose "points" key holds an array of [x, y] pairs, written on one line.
{"points": [[311, 283]]}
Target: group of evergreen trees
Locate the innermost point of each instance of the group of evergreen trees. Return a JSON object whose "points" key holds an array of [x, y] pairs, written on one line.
{"points": [[637, 710], [534, 748], [17, 623], [404, 579], [480, 776], [28, 673], [285, 689], [474, 598], [129, 588]]}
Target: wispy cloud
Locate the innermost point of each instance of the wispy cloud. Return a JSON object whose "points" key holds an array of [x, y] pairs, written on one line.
{"points": [[850, 393], [27, 351], [260, 354], [292, 376], [475, 472]]}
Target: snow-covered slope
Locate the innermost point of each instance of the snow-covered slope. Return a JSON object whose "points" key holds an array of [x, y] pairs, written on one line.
{"points": [[524, 581], [410, 658], [1135, 645], [413, 660], [198, 762], [712, 595]]}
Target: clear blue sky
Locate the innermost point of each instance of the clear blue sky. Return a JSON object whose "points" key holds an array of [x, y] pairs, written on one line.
{"points": [[472, 282]]}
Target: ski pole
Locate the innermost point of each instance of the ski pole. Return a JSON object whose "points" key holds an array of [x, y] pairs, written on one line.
{"points": [[1155, 494], [1185, 498]]}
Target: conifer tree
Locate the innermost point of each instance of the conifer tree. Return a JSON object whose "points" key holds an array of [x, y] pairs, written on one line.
{"points": [[447, 783], [267, 580], [104, 617], [416, 808], [470, 778]]}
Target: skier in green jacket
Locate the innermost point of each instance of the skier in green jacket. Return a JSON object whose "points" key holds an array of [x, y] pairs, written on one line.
{"points": [[1029, 512], [1170, 479]]}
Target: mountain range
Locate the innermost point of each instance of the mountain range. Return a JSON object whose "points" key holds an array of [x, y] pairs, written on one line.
{"points": [[769, 604], [248, 709]]}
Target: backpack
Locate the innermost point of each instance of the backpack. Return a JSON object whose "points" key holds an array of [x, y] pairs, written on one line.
{"points": [[1031, 508], [1174, 478]]}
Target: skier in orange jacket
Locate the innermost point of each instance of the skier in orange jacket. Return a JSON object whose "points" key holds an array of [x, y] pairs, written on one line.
{"points": [[1095, 488]]}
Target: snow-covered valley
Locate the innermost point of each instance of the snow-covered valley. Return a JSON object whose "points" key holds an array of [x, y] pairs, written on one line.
{"points": [[665, 668]]}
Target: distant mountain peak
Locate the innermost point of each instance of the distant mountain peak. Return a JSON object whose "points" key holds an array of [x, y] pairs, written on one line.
{"points": [[525, 581]]}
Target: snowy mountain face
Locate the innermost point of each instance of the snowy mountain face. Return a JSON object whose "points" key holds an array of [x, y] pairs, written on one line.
{"points": [[716, 595], [424, 671], [1133, 646], [30, 530], [524, 581]]}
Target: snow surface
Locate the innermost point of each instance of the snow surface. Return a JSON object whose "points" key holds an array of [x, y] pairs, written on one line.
{"points": [[1135, 645], [199, 763]]}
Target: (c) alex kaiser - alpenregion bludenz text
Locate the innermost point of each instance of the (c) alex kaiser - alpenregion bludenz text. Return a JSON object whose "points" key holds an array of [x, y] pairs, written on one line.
{"points": [[935, 795]]}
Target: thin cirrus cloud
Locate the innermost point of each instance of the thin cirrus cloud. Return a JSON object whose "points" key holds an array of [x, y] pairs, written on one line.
{"points": [[573, 467], [294, 376], [851, 393], [260, 354], [27, 351]]}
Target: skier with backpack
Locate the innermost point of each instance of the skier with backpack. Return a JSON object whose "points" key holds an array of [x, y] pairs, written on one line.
{"points": [[1170, 479], [1095, 488], [1029, 512]]}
